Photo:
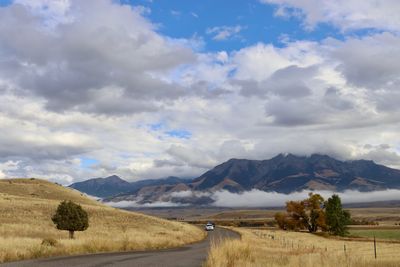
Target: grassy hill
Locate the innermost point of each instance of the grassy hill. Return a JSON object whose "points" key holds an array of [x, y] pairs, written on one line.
{"points": [[26, 229]]}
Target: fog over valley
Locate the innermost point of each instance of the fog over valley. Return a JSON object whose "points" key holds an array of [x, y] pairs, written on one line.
{"points": [[261, 199]]}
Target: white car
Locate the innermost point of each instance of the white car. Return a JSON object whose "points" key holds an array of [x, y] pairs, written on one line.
{"points": [[209, 227]]}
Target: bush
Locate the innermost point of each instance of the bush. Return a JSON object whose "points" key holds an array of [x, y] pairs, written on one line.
{"points": [[51, 242]]}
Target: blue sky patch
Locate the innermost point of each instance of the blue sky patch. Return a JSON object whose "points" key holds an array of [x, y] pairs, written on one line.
{"points": [[88, 162], [5, 2], [181, 134], [229, 26], [156, 126]]}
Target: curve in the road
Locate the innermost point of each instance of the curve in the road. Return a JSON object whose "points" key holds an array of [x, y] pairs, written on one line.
{"points": [[187, 256]]}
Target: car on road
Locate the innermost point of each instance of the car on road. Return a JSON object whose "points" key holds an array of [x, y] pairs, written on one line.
{"points": [[209, 226]]}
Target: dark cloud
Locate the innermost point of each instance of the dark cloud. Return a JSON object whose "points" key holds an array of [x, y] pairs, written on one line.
{"points": [[335, 100], [288, 83], [295, 112], [372, 62], [34, 146], [193, 157], [205, 90], [387, 100], [291, 82], [162, 163], [105, 46]]}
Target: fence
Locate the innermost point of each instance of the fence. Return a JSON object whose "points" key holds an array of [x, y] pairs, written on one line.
{"points": [[352, 248]]}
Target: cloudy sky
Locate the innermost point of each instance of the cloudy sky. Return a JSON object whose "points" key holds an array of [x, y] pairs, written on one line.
{"points": [[148, 89]]}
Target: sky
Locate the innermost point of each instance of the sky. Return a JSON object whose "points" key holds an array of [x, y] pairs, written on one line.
{"points": [[148, 89]]}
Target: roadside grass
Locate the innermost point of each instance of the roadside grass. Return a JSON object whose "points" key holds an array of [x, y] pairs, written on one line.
{"points": [[279, 248], [26, 229], [391, 234]]}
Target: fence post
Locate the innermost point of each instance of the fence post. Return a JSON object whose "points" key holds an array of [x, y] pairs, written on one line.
{"points": [[375, 246]]}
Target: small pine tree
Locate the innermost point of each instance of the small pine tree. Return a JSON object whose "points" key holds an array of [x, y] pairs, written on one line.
{"points": [[337, 219], [70, 217]]}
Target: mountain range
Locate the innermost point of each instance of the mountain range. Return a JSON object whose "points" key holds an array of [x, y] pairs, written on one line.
{"points": [[114, 185], [285, 173]]}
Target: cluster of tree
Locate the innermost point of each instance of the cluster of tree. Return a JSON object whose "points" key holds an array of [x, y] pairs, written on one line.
{"points": [[315, 213], [70, 217]]}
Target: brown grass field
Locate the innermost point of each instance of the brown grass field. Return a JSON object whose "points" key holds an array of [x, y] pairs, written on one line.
{"points": [[280, 248], [266, 246], [26, 229]]}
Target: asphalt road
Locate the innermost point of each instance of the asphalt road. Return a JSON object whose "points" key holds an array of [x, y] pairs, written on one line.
{"points": [[187, 256]]}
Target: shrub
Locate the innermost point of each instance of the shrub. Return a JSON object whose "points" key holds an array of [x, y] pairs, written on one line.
{"points": [[51, 242]]}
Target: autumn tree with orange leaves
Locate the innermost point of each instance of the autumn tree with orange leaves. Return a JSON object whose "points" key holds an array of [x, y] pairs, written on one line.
{"points": [[305, 214]]}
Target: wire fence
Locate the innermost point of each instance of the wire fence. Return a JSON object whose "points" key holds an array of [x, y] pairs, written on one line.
{"points": [[372, 248]]}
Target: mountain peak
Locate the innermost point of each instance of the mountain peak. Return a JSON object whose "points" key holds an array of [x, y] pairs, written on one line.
{"points": [[102, 187], [114, 178]]}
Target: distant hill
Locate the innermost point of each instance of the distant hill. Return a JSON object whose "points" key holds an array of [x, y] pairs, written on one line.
{"points": [[103, 187], [283, 173], [114, 185], [37, 189]]}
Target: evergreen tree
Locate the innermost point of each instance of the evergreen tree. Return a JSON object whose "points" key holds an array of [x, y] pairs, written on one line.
{"points": [[337, 219], [71, 217]]}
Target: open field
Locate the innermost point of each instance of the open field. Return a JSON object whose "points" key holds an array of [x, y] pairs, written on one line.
{"points": [[382, 214], [280, 248], [210, 213], [27, 205], [390, 234]]}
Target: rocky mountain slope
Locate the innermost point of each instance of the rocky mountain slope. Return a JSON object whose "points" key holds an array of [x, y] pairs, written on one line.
{"points": [[289, 173]]}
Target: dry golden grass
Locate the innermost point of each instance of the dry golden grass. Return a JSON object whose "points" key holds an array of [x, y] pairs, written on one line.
{"points": [[26, 207], [280, 248], [385, 216]]}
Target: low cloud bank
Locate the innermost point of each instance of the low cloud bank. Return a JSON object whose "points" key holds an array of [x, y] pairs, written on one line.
{"points": [[136, 204], [258, 198]]}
